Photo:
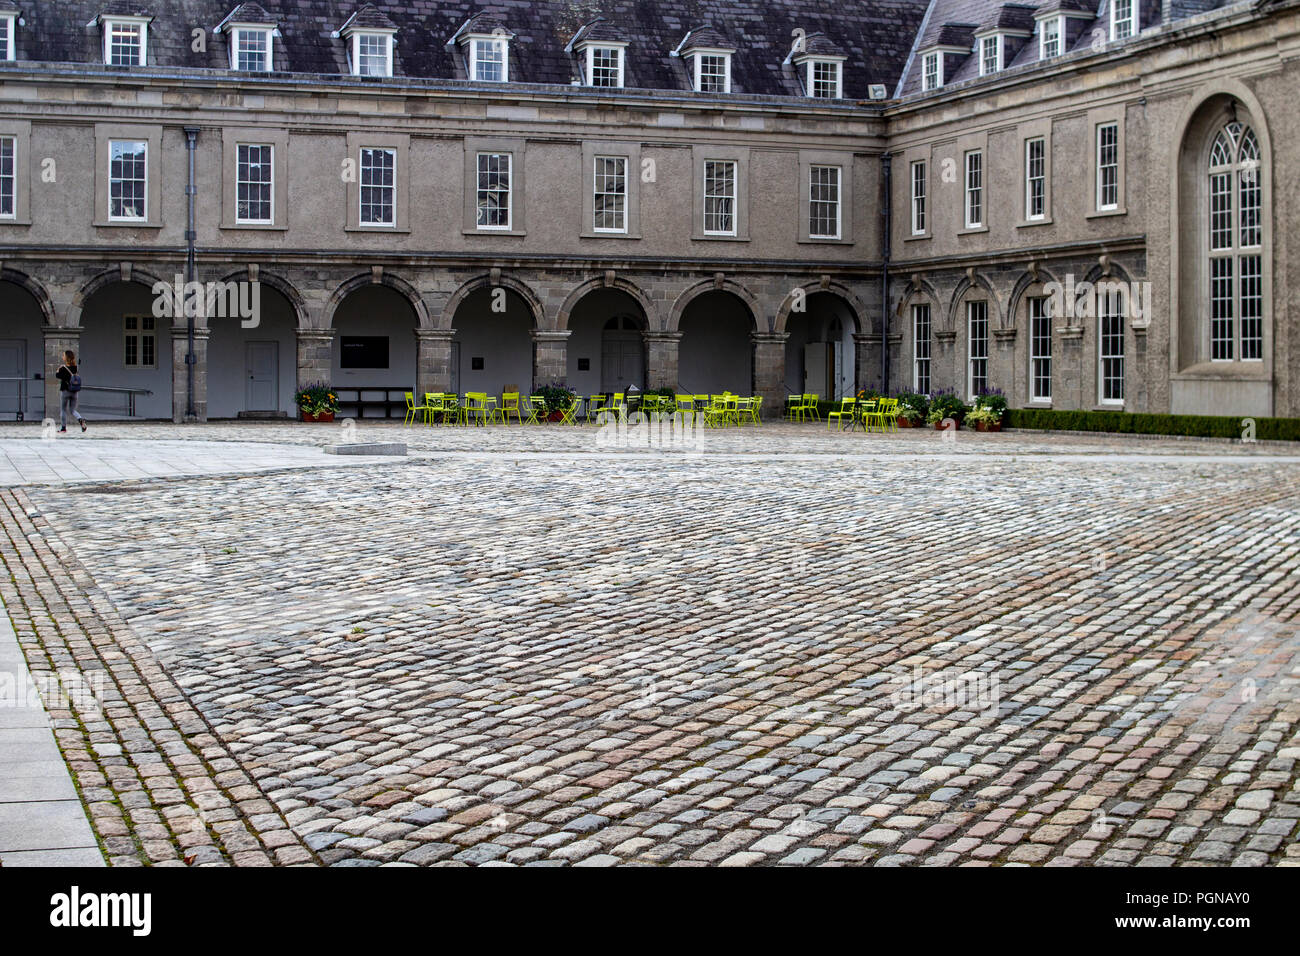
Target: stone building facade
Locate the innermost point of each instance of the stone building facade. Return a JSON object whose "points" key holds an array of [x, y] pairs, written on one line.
{"points": [[455, 196]]}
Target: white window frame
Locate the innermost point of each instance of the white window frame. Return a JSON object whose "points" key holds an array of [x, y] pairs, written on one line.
{"points": [[139, 25], [1104, 298], [1235, 245], [9, 182], [1059, 37], [239, 150], [971, 357], [597, 193], [387, 39], [389, 188], [919, 196], [509, 191], [1030, 179], [8, 49], [590, 52], [237, 34], [734, 197], [1102, 205], [814, 203], [725, 57], [976, 190], [937, 59], [919, 360], [1130, 20], [1040, 335], [144, 217], [811, 81], [997, 54], [139, 335], [476, 47]]}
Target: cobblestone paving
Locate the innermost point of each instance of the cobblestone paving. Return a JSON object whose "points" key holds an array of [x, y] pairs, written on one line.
{"points": [[1080, 651]]}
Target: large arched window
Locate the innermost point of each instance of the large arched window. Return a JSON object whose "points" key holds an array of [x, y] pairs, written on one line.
{"points": [[1235, 245]]}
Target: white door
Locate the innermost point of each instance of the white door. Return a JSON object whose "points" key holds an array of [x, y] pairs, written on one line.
{"points": [[13, 365], [263, 376]]}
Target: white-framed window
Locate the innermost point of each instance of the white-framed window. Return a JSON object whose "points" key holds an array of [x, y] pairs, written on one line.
{"points": [[139, 341], [1123, 19], [1107, 166], [824, 79], [719, 197], [1035, 178], [713, 72], [372, 54], [128, 180], [378, 182], [918, 180], [1110, 346], [8, 177], [990, 54], [254, 184], [251, 49], [489, 59], [921, 347], [1040, 349], [495, 200], [1049, 37], [974, 189], [126, 41], [8, 27], [1236, 290], [824, 202], [609, 192], [604, 66], [932, 71], [977, 362]]}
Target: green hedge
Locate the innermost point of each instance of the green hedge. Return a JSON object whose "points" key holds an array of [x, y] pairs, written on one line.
{"points": [[1199, 426]]}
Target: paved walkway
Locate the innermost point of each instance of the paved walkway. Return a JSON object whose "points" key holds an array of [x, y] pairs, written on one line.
{"points": [[42, 821]]}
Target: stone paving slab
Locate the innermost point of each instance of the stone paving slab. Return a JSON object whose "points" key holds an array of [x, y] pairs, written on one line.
{"points": [[532, 657]]}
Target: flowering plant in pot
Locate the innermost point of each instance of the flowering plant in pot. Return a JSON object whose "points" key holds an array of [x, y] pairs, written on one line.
{"points": [[913, 409], [945, 405], [317, 402], [555, 398], [991, 406]]}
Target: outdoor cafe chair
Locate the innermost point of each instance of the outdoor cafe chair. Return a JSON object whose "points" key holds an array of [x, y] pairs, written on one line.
{"points": [[846, 410], [569, 416], [510, 406], [536, 410], [811, 407], [414, 411]]}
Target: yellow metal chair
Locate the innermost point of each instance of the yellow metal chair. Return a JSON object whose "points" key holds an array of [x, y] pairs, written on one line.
{"points": [[811, 407], [413, 411], [569, 416], [510, 406], [846, 410], [794, 408], [433, 407], [536, 410]]}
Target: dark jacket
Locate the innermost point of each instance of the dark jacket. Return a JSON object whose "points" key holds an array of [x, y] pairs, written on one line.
{"points": [[64, 375]]}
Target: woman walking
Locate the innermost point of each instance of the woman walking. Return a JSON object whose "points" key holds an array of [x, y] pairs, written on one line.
{"points": [[69, 391]]}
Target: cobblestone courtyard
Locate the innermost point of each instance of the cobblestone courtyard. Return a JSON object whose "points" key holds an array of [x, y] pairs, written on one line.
{"points": [[799, 647]]}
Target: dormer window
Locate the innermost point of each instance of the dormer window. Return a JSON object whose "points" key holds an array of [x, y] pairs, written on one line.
{"points": [[1050, 34], [604, 65], [489, 59], [1123, 19], [251, 49], [372, 54], [126, 41], [8, 27], [990, 53], [824, 79], [932, 71], [712, 71]]}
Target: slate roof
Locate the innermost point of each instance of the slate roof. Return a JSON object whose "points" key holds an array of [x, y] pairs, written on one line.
{"points": [[875, 35], [250, 13], [705, 38]]}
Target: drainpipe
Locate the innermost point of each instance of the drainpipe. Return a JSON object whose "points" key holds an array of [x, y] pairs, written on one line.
{"points": [[191, 193], [886, 161]]}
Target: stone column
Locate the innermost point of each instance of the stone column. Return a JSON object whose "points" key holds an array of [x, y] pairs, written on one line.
{"points": [[901, 378], [769, 370], [315, 356], [180, 348], [1136, 392], [550, 356], [662, 350], [57, 341], [433, 361]]}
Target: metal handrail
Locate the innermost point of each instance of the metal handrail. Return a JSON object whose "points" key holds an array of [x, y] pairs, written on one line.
{"points": [[130, 394]]}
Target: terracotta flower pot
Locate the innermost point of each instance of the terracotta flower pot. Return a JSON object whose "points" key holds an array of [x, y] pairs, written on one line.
{"points": [[988, 426], [939, 426], [321, 419], [904, 422]]}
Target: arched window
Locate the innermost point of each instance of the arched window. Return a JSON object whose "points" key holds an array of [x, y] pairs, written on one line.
{"points": [[1235, 245]]}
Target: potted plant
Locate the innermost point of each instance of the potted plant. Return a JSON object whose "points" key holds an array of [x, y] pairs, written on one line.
{"points": [[317, 402], [913, 409], [945, 405], [990, 405], [555, 398]]}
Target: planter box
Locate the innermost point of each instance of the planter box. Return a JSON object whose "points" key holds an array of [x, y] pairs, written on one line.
{"points": [[988, 426], [321, 419]]}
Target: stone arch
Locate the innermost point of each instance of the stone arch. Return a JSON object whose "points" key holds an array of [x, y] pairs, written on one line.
{"points": [[693, 292], [971, 281], [385, 278], [285, 288], [103, 280], [601, 282], [858, 309], [918, 288], [1027, 280], [33, 288], [521, 289]]}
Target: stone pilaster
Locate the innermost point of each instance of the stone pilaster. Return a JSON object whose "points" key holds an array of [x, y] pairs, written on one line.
{"points": [[1002, 365], [57, 341], [1067, 368], [433, 360], [180, 348], [866, 361], [662, 350], [769, 370], [315, 356], [550, 356], [945, 372]]}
